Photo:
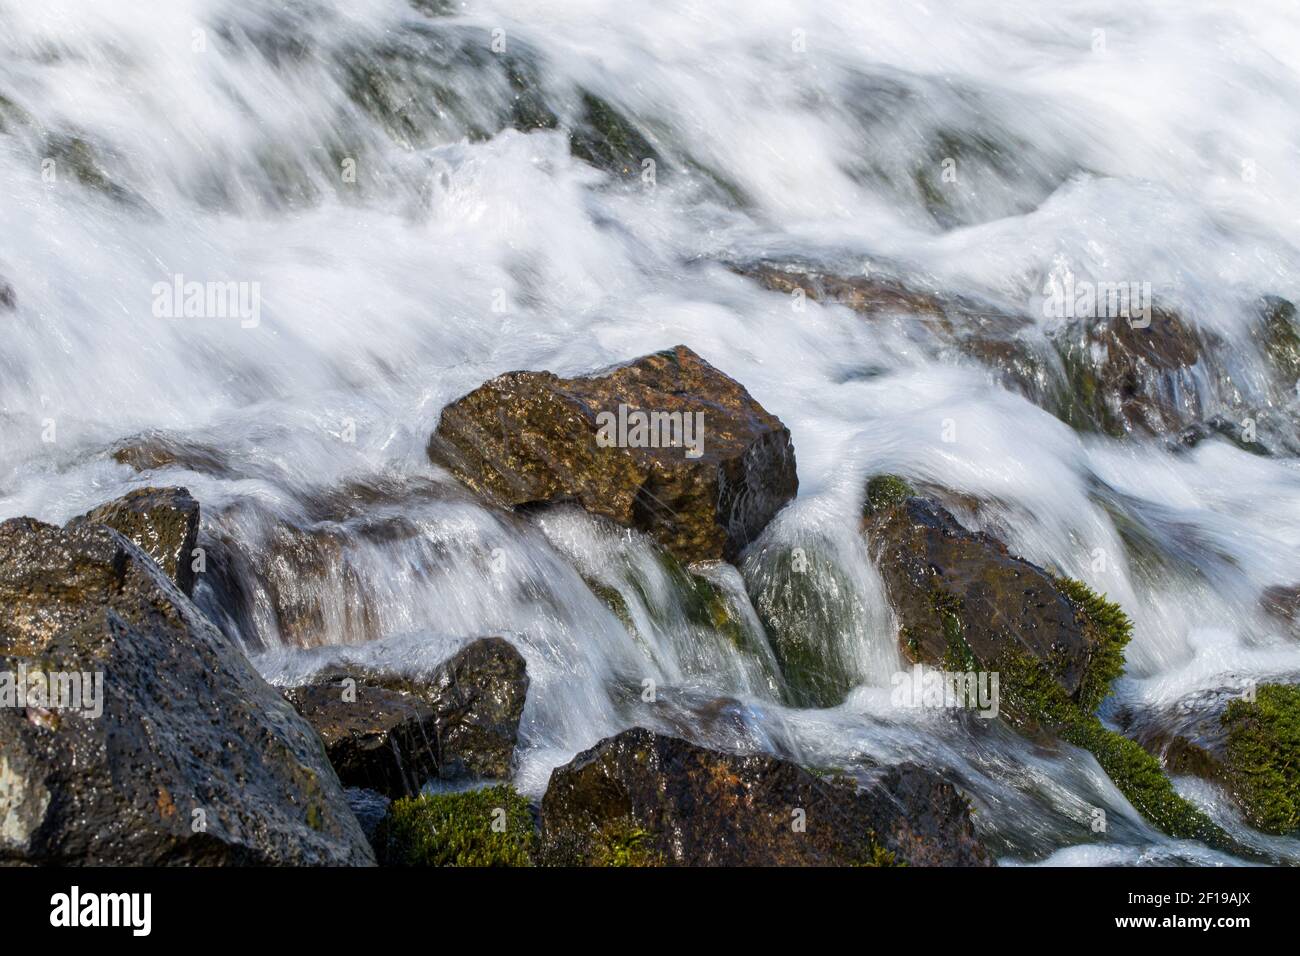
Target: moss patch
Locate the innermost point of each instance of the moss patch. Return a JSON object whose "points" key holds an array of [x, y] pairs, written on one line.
{"points": [[490, 827], [1263, 750], [885, 491], [1031, 694], [625, 845], [1110, 630]]}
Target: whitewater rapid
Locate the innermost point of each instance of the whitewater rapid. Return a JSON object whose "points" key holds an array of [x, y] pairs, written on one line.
{"points": [[1153, 143]]}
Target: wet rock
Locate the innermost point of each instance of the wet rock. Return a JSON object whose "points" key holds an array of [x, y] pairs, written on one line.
{"points": [[962, 599], [1124, 377], [478, 695], [1278, 332], [1249, 744], [392, 734], [194, 759], [376, 738], [607, 140], [163, 522], [672, 802], [965, 604], [528, 438], [1283, 603]]}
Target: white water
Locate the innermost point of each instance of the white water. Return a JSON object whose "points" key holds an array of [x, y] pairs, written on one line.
{"points": [[377, 309]]}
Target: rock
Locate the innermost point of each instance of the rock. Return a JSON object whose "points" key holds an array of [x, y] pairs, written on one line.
{"points": [[8, 298], [963, 599], [391, 734], [1123, 377], [163, 522], [1278, 332], [479, 697], [607, 140], [965, 604], [669, 801], [1282, 602], [194, 758], [528, 438], [377, 739]]}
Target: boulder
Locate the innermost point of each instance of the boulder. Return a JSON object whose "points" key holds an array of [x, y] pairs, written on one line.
{"points": [[965, 604], [528, 438], [162, 522], [184, 755], [391, 734], [963, 601], [662, 800]]}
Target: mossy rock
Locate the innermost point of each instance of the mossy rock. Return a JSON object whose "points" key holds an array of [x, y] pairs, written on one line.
{"points": [[1263, 756], [608, 140], [489, 827], [885, 491], [806, 603]]}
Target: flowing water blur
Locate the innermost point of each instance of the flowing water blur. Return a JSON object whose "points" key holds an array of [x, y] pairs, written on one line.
{"points": [[215, 139]]}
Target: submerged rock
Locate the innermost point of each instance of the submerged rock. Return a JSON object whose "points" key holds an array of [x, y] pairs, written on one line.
{"points": [[965, 604], [392, 734], [1124, 376], [528, 438], [163, 522], [193, 758], [607, 140], [663, 800], [962, 597]]}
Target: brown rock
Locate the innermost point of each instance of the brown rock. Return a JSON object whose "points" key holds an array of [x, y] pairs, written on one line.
{"points": [[675, 803], [528, 438]]}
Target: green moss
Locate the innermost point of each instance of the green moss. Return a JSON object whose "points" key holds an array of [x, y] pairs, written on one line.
{"points": [[1139, 776], [457, 829], [1110, 630], [1031, 694], [1263, 756], [877, 855], [608, 140], [885, 491], [625, 845]]}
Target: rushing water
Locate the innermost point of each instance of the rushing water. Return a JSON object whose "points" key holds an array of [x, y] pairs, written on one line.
{"points": [[356, 160]]}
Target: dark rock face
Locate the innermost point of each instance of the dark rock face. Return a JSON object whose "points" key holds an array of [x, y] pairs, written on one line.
{"points": [[391, 734], [686, 805], [162, 522], [194, 758], [479, 694], [958, 592], [376, 738], [530, 437]]}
